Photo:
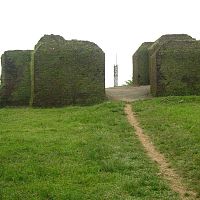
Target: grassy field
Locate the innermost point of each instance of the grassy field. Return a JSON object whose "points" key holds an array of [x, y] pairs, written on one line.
{"points": [[173, 123], [75, 153]]}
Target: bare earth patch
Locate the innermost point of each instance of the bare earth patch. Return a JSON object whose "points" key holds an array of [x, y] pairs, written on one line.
{"points": [[166, 171], [128, 93]]}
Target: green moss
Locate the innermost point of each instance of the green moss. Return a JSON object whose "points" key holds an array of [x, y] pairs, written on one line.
{"points": [[15, 79], [56, 73], [154, 59], [177, 69], [164, 38], [141, 65], [32, 78], [67, 72]]}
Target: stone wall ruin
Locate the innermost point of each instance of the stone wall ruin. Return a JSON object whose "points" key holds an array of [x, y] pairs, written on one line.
{"points": [[15, 78], [141, 65], [57, 73], [67, 72], [174, 65], [153, 52], [176, 69]]}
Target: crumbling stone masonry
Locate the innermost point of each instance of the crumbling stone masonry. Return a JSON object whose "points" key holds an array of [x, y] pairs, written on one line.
{"points": [[57, 73], [164, 38], [141, 65], [15, 78], [153, 51], [67, 72], [176, 68]]}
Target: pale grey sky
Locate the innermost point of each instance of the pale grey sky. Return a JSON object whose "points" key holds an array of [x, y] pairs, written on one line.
{"points": [[117, 26]]}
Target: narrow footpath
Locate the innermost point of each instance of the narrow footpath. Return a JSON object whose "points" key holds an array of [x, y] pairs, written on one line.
{"points": [[173, 179]]}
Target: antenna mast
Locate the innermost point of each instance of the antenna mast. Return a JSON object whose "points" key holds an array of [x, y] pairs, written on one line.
{"points": [[116, 73]]}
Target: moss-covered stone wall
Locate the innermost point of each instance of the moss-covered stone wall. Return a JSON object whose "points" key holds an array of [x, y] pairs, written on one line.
{"points": [[176, 69], [15, 78], [164, 38], [153, 54], [141, 65], [67, 72]]}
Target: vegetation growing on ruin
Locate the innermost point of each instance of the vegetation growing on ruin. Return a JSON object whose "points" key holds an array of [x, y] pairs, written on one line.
{"points": [[57, 73], [176, 69], [15, 78], [67, 72], [141, 65]]}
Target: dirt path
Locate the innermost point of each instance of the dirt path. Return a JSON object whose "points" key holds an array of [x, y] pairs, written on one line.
{"points": [[166, 171], [128, 93]]}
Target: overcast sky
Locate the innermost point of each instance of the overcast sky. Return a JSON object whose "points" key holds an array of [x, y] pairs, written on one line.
{"points": [[117, 26]]}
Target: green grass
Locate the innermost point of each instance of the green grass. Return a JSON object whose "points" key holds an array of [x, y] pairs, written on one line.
{"points": [[75, 153], [173, 123]]}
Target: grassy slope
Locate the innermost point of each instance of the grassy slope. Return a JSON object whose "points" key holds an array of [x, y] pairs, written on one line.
{"points": [[74, 153], [173, 123]]}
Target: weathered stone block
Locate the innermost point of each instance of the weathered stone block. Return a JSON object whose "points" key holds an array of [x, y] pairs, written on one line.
{"points": [[176, 69], [141, 65], [67, 72], [15, 78], [153, 51]]}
